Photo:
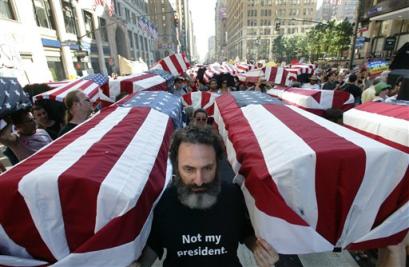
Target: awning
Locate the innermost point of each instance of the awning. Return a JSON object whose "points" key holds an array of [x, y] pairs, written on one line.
{"points": [[397, 14]]}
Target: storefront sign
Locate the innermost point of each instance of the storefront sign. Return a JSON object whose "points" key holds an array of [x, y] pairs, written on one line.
{"points": [[389, 44], [376, 67], [360, 41]]}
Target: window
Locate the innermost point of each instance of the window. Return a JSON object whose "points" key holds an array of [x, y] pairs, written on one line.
{"points": [[130, 38], [69, 17], [134, 18], [127, 14], [6, 10], [103, 29], [119, 9], [141, 41], [89, 26], [56, 68], [146, 43], [43, 14], [136, 41]]}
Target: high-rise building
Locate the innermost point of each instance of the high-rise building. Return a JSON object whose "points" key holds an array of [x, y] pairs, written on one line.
{"points": [[162, 15], [220, 31], [139, 36], [328, 10], [347, 10], [252, 25], [184, 26], [211, 49]]}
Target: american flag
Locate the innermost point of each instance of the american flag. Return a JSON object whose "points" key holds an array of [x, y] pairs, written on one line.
{"points": [[89, 85], [57, 84], [315, 101], [161, 101], [311, 185], [251, 76], [387, 123], [12, 96], [200, 99], [137, 82], [87, 198], [176, 64], [304, 68], [279, 75]]}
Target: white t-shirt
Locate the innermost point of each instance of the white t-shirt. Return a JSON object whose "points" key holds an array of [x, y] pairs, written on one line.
{"points": [[27, 145]]}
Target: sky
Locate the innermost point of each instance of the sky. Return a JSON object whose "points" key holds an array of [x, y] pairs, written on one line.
{"points": [[203, 23]]}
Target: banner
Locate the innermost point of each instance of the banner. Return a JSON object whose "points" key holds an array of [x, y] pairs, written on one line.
{"points": [[376, 67]]}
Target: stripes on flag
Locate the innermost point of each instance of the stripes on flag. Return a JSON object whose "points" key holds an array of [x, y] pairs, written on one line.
{"points": [[279, 75], [200, 99], [89, 85], [176, 64], [384, 122], [108, 221], [298, 186], [315, 101]]}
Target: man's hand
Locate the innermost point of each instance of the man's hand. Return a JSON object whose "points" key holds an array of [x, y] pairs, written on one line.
{"points": [[264, 254]]}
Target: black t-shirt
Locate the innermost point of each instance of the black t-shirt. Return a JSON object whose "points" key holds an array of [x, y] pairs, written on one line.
{"points": [[353, 90], [68, 127], [53, 130], [194, 237]]}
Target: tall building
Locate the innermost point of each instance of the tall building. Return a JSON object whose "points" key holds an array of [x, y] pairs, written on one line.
{"points": [[47, 40], [250, 26], [328, 10], [162, 15], [382, 20], [220, 31], [347, 10], [184, 26], [139, 36], [211, 49]]}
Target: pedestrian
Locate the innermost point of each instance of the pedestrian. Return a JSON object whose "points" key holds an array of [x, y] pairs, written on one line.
{"points": [[381, 92], [43, 121], [352, 88], [201, 219], [331, 82], [26, 139], [313, 84], [78, 109], [179, 88], [200, 118], [369, 93]]}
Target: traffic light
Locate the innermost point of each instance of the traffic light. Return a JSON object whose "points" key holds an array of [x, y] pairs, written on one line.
{"points": [[278, 25]]}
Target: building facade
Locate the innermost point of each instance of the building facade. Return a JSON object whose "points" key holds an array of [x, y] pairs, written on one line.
{"points": [[381, 21], [45, 40], [251, 25], [162, 15], [328, 10], [211, 50], [139, 44], [220, 31], [346, 9], [184, 28]]}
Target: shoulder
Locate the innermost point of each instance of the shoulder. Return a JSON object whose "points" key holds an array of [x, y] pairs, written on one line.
{"points": [[168, 199], [231, 192]]}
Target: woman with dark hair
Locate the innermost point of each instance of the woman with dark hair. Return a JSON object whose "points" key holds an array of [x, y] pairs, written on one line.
{"points": [[43, 121], [403, 93]]}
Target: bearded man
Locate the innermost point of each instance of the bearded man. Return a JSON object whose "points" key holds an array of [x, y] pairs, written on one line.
{"points": [[200, 220]]}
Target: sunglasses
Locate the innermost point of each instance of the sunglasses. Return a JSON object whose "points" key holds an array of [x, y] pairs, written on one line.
{"points": [[201, 119]]}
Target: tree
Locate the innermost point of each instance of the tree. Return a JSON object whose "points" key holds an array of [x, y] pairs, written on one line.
{"points": [[278, 48]]}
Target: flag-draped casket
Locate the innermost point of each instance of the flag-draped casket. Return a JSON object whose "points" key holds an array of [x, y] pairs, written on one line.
{"points": [[311, 185], [385, 122], [200, 99], [87, 198], [154, 80], [312, 100], [90, 85]]}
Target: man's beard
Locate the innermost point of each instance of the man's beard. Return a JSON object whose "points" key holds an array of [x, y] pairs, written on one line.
{"points": [[198, 199]]}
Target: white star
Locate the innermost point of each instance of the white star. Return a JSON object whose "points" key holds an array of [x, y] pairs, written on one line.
{"points": [[146, 103], [13, 82], [2, 81], [18, 93], [8, 106], [159, 108], [7, 93]]}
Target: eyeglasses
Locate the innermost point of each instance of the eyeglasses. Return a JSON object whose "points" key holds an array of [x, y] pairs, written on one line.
{"points": [[201, 119]]}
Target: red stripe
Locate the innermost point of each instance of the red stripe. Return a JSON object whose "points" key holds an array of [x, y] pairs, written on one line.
{"points": [[84, 178], [127, 84], [253, 167], [339, 99], [164, 65], [176, 64], [380, 139], [339, 169], [54, 94], [14, 214], [390, 110], [379, 243], [205, 98], [126, 228], [395, 200], [273, 74], [188, 99]]}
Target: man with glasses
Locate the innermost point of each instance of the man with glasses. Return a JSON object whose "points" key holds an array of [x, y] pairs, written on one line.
{"points": [[26, 139], [200, 118], [78, 109]]}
